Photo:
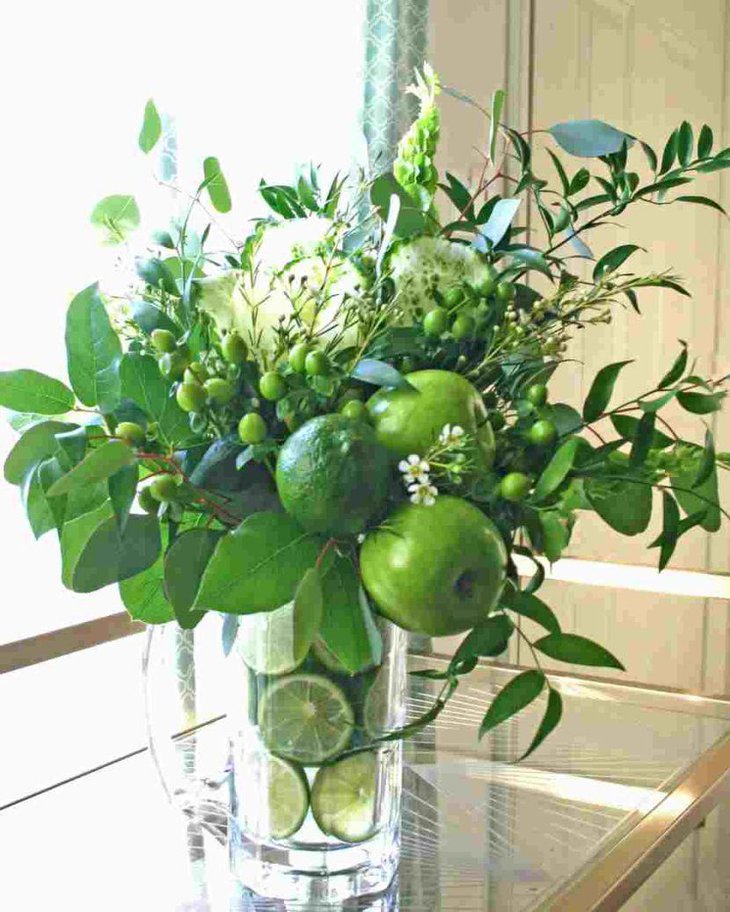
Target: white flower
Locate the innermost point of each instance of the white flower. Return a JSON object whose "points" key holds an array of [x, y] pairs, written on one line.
{"points": [[423, 493], [414, 469], [451, 434]]}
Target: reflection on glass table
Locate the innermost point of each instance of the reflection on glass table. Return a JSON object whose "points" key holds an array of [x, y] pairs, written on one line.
{"points": [[578, 826]]}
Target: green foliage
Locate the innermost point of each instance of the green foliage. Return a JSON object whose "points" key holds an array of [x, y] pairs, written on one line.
{"points": [[348, 628], [185, 563], [98, 465], [31, 391], [94, 351], [308, 612], [569, 647], [116, 218], [589, 138], [215, 184], [147, 388], [35, 445], [601, 390], [144, 598], [122, 489], [410, 219], [513, 697], [151, 128]]}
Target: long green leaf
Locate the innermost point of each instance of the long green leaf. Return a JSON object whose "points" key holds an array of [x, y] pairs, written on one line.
{"points": [[216, 185], [670, 529], [552, 717], [109, 557], [30, 391], [513, 697], [497, 106], [151, 128], [577, 650], [144, 596], [677, 369], [557, 469], [701, 201], [98, 465], [185, 563], [601, 390], [122, 489], [143, 383], [94, 351], [530, 606], [36, 444], [613, 260], [488, 638]]}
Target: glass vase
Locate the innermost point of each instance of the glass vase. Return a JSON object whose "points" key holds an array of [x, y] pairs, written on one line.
{"points": [[310, 798]]}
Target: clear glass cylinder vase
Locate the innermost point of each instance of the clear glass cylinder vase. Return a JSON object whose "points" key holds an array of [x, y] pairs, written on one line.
{"points": [[311, 797]]}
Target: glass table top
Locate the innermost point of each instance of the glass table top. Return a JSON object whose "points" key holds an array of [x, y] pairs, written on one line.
{"points": [[629, 773]]}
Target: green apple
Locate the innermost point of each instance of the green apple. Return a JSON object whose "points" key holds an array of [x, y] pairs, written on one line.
{"points": [[409, 420], [435, 570]]}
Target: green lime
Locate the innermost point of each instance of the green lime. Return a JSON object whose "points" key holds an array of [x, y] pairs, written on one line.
{"points": [[172, 365], [306, 718], [436, 322], [463, 327], [537, 394], [234, 349], [272, 386], [543, 433], [332, 475], [487, 283], [298, 356], [316, 363], [344, 796], [288, 794], [163, 340], [453, 296], [266, 641], [130, 432], [252, 428], [515, 486]]}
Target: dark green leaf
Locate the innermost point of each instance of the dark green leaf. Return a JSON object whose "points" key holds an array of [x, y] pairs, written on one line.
{"points": [[98, 465], [144, 598], [410, 217], [149, 316], [37, 443], [703, 498], [532, 607], [553, 715], [93, 351], [670, 529], [533, 259], [489, 638], [624, 505], [677, 369], [704, 143], [569, 647], [31, 391], [157, 273], [513, 697], [654, 405], [500, 219], [379, 373], [613, 260], [589, 138], [627, 427], [37, 507], [565, 183], [662, 186], [116, 217], [143, 383], [712, 166], [185, 563], [555, 535], [122, 488], [700, 403], [49, 471], [258, 566], [670, 152], [580, 181], [73, 445], [306, 195], [308, 612], [601, 390], [685, 143], [707, 465], [565, 418], [151, 128], [216, 185], [701, 201], [348, 629], [497, 106], [650, 156], [643, 440], [457, 193], [557, 469]]}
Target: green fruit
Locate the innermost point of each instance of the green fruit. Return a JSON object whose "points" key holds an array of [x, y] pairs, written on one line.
{"points": [[543, 433], [355, 409], [234, 349], [164, 488], [316, 364], [453, 297], [506, 292], [191, 377], [463, 327], [298, 356], [219, 390], [344, 797], [267, 641], [515, 487], [332, 475], [173, 365], [288, 797], [147, 501], [252, 428], [306, 718], [163, 340], [487, 284], [436, 322], [410, 420], [537, 394], [131, 433], [272, 386], [191, 397], [435, 570]]}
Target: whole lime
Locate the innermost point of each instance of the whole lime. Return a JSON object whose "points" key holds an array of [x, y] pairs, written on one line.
{"points": [[409, 420], [436, 322], [487, 283], [515, 486], [332, 475], [234, 349], [297, 357], [316, 363], [537, 394], [220, 390], [435, 570], [463, 328], [172, 365], [147, 501], [543, 433], [252, 428], [272, 386], [355, 409], [506, 292], [191, 397], [164, 488]]}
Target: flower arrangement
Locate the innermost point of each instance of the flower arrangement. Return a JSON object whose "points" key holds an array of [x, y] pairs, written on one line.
{"points": [[346, 414]]}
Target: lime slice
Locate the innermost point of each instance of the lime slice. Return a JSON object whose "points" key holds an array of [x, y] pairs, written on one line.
{"points": [[305, 717], [288, 797], [266, 641], [344, 795]]}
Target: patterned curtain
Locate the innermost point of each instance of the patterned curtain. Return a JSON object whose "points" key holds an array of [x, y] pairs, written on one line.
{"points": [[395, 43]]}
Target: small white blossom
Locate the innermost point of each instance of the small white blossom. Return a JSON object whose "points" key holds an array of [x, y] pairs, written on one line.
{"points": [[361, 538], [451, 434], [414, 469], [423, 493]]}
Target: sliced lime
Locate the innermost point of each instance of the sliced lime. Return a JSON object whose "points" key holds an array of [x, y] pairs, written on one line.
{"points": [[288, 797], [305, 717], [344, 797], [266, 641]]}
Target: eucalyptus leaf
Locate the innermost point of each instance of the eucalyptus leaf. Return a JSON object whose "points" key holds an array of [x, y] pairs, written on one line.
{"points": [[116, 218], [533, 259], [151, 128], [410, 217], [552, 717], [35, 445], [143, 383], [185, 562], [30, 391], [601, 390], [500, 219], [144, 597], [589, 138], [216, 185], [98, 465], [94, 351], [513, 697], [577, 650]]}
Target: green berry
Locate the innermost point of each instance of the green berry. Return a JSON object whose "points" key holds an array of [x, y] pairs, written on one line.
{"points": [[487, 283], [453, 297], [164, 488], [537, 394], [198, 371], [234, 349], [191, 397], [252, 428], [463, 327], [146, 501], [543, 433], [316, 364], [506, 292], [514, 487], [172, 365], [436, 322], [298, 357], [163, 340], [219, 390], [497, 420], [355, 409], [272, 386], [131, 433]]}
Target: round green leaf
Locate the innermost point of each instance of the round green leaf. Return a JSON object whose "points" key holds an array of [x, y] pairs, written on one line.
{"points": [[109, 557], [94, 351], [589, 138], [36, 444], [144, 598], [116, 217]]}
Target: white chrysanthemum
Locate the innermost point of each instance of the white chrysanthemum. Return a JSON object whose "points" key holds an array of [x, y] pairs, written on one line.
{"points": [[423, 493], [424, 264], [414, 469], [291, 275]]}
